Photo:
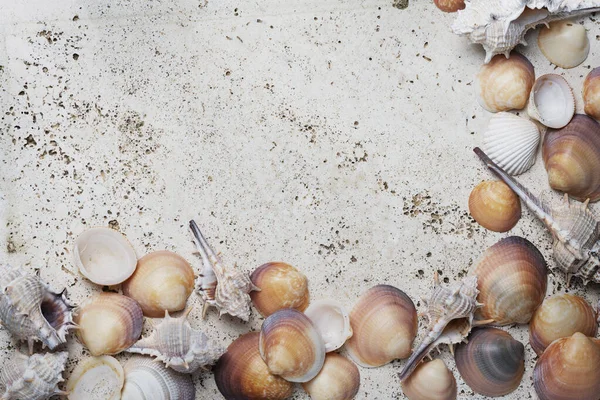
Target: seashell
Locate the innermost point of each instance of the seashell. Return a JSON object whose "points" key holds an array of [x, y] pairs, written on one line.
{"points": [[512, 279], [558, 317], [504, 84], [591, 93], [430, 381], [339, 379], [492, 363], [450, 5], [281, 286], [575, 229], [109, 323], [449, 314], [564, 43], [33, 378], [221, 287], [495, 206], [241, 373], [96, 378], [180, 347], [291, 346], [512, 142], [551, 101], [569, 369], [163, 281], [332, 321], [31, 311], [146, 379], [104, 256], [384, 322], [572, 158]]}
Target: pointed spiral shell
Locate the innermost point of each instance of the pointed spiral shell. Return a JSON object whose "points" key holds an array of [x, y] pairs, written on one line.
{"points": [[33, 378]]}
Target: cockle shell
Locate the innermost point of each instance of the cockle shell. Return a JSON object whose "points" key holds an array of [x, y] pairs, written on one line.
{"points": [[551, 101], [564, 43], [219, 286], [591, 93], [146, 379], [339, 379], [241, 373], [332, 321], [180, 347], [281, 286], [96, 378], [450, 5], [33, 378], [31, 311], [430, 381], [495, 206], [511, 142], [384, 324]]}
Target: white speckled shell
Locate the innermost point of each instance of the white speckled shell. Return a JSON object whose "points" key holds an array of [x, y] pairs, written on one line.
{"points": [[551, 101], [146, 379], [33, 378], [511, 142]]}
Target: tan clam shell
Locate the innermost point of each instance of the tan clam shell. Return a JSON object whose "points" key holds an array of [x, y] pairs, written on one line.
{"points": [[430, 381], [591, 93], [564, 43], [241, 373], [384, 325], [109, 323], [339, 379], [495, 206], [558, 317], [569, 369], [281, 286], [96, 378], [332, 321], [162, 281], [512, 281], [450, 5]]}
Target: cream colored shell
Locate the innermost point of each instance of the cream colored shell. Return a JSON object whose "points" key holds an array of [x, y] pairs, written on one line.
{"points": [[96, 378], [564, 43], [339, 379], [146, 379], [332, 321], [430, 381], [551, 101]]}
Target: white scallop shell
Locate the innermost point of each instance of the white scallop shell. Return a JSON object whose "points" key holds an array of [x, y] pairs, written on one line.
{"points": [[332, 321], [33, 378], [146, 379], [551, 101], [96, 378], [512, 142]]}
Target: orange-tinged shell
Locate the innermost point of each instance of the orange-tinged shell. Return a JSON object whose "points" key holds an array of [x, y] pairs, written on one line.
{"points": [[339, 379], [591, 93], [450, 5], [281, 286], [430, 381], [495, 206]]}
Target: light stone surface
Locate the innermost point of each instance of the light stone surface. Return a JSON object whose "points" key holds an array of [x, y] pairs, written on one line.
{"points": [[334, 135]]}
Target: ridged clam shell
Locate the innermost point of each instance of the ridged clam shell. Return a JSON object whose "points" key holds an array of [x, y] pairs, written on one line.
{"points": [[384, 325], [564, 43], [332, 321], [511, 142], [495, 206], [430, 381], [96, 378], [109, 323], [241, 373], [146, 379], [551, 101], [591, 93], [291, 346], [339, 379], [281, 286]]}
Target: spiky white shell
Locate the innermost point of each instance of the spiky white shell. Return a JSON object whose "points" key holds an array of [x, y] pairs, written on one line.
{"points": [[551, 101], [146, 379], [511, 142], [33, 378]]}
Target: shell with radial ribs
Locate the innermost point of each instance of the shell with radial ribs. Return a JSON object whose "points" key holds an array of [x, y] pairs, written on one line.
{"points": [[180, 347], [31, 311], [219, 286], [575, 229], [146, 379], [33, 378]]}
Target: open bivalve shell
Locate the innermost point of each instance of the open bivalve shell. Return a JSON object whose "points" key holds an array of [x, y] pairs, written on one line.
{"points": [[430, 381], [339, 379], [146, 379], [332, 321], [591, 93], [551, 101], [564, 43], [281, 286], [96, 378], [104, 256]]}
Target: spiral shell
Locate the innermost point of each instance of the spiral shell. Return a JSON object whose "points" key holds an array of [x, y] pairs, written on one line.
{"points": [[492, 363], [591, 93], [512, 281], [241, 373], [384, 322], [450, 5], [109, 323], [430, 381], [339, 379], [96, 378], [281, 286], [495, 206], [564, 43], [332, 321], [551, 101]]}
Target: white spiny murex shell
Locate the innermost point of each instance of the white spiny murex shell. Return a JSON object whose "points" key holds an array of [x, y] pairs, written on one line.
{"points": [[500, 25], [551, 101], [224, 288], [33, 378], [332, 321], [180, 347], [511, 142], [31, 311], [96, 378]]}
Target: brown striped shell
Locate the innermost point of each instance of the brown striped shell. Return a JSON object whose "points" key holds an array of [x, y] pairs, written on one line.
{"points": [[591, 93]]}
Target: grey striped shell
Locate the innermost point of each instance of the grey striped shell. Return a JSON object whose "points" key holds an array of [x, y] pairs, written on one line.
{"points": [[146, 379]]}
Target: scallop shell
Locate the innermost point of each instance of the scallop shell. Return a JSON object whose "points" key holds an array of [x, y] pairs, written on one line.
{"points": [[591, 93], [512, 142], [332, 321], [492, 363], [564, 43], [339, 379], [241, 373], [569, 369], [430, 381], [551, 101], [558, 317], [180, 347], [281, 286], [495, 206], [96, 378], [162, 281], [146, 379], [384, 322], [291, 346], [33, 378], [450, 5], [31, 311], [104, 256], [109, 323], [512, 280]]}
